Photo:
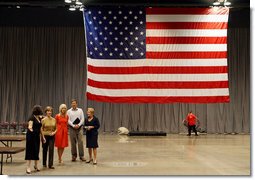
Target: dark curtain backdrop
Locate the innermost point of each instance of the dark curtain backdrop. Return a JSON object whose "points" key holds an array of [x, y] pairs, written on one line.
{"points": [[47, 66]]}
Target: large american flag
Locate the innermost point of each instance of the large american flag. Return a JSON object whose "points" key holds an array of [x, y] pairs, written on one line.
{"points": [[157, 55]]}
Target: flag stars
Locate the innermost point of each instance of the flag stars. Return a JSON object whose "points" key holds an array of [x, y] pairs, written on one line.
{"points": [[116, 33]]}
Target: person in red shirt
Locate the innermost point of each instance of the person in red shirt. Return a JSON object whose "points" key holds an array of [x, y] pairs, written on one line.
{"points": [[191, 119]]}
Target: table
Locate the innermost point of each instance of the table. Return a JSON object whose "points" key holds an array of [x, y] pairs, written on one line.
{"points": [[9, 150], [7, 142]]}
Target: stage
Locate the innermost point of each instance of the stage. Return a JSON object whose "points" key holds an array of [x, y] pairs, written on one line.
{"points": [[174, 154]]}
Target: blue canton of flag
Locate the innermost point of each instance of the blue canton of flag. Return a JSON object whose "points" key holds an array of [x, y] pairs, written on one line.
{"points": [[118, 33]]}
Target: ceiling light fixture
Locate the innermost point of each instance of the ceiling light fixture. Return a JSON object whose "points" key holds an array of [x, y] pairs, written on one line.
{"points": [[72, 8], [78, 2], [75, 4], [227, 3], [216, 3]]}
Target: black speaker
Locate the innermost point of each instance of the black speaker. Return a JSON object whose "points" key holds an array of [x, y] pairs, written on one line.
{"points": [[147, 133]]}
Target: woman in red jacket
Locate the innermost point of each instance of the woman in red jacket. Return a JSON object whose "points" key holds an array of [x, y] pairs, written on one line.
{"points": [[191, 119]]}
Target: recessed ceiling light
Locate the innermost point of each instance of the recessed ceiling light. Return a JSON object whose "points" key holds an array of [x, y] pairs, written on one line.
{"points": [[227, 3]]}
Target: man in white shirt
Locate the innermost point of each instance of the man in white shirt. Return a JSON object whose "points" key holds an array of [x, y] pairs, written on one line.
{"points": [[75, 122]]}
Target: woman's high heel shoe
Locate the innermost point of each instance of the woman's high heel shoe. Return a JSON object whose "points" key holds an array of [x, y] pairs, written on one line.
{"points": [[36, 169], [28, 171], [95, 162], [88, 161]]}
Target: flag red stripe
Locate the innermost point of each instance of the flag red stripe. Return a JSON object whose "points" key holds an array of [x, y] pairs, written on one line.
{"points": [[188, 11], [185, 55], [157, 85], [159, 70], [185, 40], [150, 99], [186, 25]]}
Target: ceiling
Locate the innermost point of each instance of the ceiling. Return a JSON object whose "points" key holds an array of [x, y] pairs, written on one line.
{"points": [[62, 4]]}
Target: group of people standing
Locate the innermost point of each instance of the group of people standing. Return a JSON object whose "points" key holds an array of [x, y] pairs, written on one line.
{"points": [[54, 132]]}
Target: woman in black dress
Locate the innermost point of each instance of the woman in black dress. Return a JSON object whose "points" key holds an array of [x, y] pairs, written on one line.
{"points": [[33, 138], [92, 125]]}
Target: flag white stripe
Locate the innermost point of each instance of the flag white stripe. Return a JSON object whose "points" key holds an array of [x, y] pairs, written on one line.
{"points": [[185, 33], [156, 62], [185, 47], [158, 92], [186, 18], [157, 77]]}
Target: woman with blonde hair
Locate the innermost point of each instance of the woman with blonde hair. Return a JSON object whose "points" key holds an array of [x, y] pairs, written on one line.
{"points": [[61, 140], [92, 125]]}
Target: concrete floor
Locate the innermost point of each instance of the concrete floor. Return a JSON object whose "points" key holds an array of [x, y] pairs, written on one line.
{"points": [[175, 154]]}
